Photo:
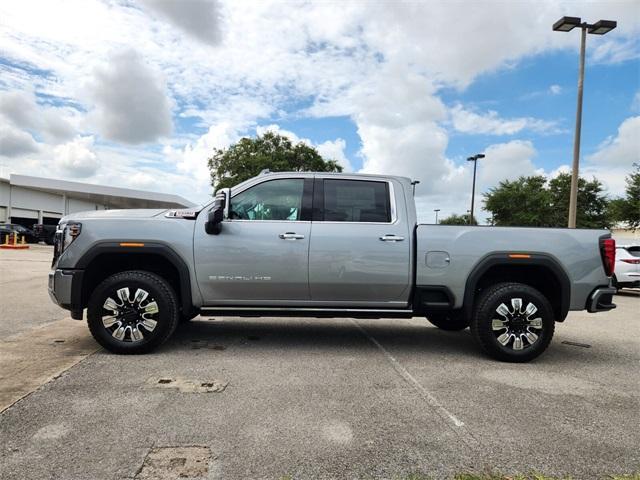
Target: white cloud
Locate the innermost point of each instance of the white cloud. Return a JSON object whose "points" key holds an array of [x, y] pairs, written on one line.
{"points": [[131, 102], [76, 158], [506, 161], [490, 123], [374, 62], [191, 159], [198, 18], [555, 89], [21, 109], [635, 103], [622, 149], [612, 51], [615, 157], [14, 142]]}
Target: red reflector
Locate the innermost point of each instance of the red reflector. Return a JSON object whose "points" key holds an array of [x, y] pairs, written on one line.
{"points": [[633, 261], [608, 253]]}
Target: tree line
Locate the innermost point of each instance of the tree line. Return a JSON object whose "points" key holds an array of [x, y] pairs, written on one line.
{"points": [[533, 201], [536, 201]]}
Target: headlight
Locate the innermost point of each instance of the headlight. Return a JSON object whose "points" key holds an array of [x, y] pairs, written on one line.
{"points": [[66, 233]]}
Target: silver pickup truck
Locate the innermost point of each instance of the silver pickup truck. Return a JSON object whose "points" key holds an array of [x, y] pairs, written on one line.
{"points": [[324, 245]]}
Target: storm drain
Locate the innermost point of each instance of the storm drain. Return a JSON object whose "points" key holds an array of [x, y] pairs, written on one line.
{"points": [[164, 463], [186, 385]]}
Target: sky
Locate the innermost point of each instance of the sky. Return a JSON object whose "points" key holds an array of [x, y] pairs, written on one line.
{"points": [[138, 93]]}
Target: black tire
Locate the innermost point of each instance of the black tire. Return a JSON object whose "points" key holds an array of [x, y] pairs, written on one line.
{"points": [[516, 344], [449, 321], [158, 291]]}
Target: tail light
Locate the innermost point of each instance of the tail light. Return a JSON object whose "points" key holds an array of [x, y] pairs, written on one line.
{"points": [[632, 261], [608, 254]]}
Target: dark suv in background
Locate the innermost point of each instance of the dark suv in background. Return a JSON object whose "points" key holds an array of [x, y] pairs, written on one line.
{"points": [[11, 228]]}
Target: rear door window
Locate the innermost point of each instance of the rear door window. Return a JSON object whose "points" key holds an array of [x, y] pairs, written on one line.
{"points": [[356, 201]]}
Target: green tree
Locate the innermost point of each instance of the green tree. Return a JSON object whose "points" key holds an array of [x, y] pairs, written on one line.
{"points": [[592, 211], [627, 209], [520, 202], [456, 219], [534, 202], [249, 156]]}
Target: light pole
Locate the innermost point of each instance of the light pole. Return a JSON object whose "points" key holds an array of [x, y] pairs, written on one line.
{"points": [[566, 24], [413, 184], [474, 159], [436, 210]]}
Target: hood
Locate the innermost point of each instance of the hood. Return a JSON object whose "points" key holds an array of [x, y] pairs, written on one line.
{"points": [[111, 214]]}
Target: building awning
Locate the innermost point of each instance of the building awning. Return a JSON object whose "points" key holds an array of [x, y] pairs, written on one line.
{"points": [[113, 197]]}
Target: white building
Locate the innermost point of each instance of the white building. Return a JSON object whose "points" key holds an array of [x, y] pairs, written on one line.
{"points": [[27, 200]]}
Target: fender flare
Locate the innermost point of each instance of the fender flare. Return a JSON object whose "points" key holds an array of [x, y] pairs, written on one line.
{"points": [[149, 248], [533, 259]]}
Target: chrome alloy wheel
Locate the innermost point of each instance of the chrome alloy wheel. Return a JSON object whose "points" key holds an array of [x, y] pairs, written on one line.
{"points": [[131, 318], [518, 328]]}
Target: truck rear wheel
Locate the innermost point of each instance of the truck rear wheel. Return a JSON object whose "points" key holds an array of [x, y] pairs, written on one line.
{"points": [[132, 312], [513, 322], [449, 321]]}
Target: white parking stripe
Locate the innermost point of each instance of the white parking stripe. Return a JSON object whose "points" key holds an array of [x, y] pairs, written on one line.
{"points": [[424, 393]]}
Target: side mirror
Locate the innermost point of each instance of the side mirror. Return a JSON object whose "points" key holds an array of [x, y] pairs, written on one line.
{"points": [[219, 212]]}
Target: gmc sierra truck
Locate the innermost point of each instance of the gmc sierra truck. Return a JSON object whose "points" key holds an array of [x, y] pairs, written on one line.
{"points": [[324, 245]]}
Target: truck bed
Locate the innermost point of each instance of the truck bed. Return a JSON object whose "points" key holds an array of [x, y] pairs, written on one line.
{"points": [[576, 251]]}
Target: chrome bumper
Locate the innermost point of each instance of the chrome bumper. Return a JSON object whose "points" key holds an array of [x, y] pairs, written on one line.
{"points": [[601, 300]]}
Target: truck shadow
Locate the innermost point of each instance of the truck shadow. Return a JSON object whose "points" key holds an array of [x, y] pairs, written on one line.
{"points": [[320, 335], [274, 336]]}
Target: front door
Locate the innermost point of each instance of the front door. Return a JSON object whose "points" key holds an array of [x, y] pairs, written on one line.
{"points": [[261, 255]]}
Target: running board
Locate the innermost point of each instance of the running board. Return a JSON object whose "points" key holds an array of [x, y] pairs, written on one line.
{"points": [[305, 312]]}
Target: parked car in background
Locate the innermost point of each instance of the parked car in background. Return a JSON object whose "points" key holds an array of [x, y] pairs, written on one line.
{"points": [[627, 271], [45, 233], [11, 228]]}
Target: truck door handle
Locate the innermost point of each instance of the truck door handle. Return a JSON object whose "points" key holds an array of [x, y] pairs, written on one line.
{"points": [[391, 238], [291, 236]]}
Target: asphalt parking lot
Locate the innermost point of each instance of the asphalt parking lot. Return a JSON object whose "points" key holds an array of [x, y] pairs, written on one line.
{"points": [[298, 398]]}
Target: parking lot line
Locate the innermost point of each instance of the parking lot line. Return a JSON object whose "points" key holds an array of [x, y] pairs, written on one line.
{"points": [[432, 401]]}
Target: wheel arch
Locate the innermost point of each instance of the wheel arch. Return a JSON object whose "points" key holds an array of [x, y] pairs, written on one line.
{"points": [[107, 258], [538, 270]]}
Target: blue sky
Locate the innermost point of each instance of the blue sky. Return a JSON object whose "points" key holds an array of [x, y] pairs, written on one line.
{"points": [[138, 93]]}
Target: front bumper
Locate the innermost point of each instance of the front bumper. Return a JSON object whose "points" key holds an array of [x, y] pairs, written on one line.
{"points": [[601, 300], [65, 289]]}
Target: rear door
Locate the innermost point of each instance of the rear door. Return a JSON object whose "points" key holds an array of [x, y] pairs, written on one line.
{"points": [[360, 247]]}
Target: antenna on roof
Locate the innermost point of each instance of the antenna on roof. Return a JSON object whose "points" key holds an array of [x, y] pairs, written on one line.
{"points": [[265, 171]]}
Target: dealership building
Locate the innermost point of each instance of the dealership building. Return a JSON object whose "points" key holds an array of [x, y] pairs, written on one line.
{"points": [[27, 200]]}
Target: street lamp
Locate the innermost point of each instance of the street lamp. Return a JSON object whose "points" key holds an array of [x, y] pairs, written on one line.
{"points": [[566, 24], [474, 159], [413, 184], [436, 210]]}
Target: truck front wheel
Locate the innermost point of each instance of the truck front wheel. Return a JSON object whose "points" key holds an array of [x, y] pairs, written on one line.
{"points": [[513, 322], [132, 312]]}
